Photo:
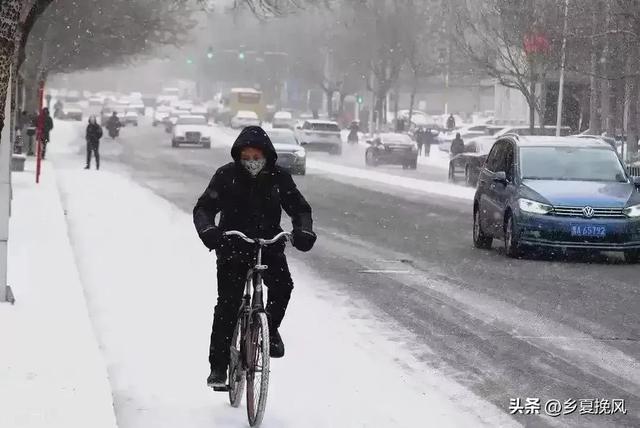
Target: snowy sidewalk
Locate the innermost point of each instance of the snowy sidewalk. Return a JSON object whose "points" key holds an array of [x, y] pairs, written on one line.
{"points": [[51, 371], [150, 287]]}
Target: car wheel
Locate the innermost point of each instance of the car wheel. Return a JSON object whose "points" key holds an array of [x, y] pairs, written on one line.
{"points": [[414, 164], [632, 256], [452, 173], [206, 145], [174, 143], [512, 246], [480, 239], [370, 158]]}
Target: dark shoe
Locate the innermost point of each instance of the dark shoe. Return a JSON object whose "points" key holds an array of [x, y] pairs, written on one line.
{"points": [[276, 347], [86, 167], [217, 378]]}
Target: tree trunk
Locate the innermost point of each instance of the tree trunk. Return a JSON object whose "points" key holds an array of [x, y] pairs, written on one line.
{"points": [[631, 105], [531, 99], [329, 95], [542, 104], [595, 127], [605, 101], [9, 17], [412, 99]]}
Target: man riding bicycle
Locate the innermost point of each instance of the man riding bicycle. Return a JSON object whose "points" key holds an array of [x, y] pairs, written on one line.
{"points": [[250, 193]]}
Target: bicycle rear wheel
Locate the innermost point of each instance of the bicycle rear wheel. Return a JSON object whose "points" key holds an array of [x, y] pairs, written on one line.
{"points": [[236, 374], [258, 370]]}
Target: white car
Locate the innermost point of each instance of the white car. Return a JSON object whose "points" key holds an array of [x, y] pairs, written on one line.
{"points": [[320, 135], [137, 106], [466, 132], [130, 118], [283, 119], [160, 113], [96, 100], [245, 118], [291, 155], [72, 112], [199, 110], [191, 129]]}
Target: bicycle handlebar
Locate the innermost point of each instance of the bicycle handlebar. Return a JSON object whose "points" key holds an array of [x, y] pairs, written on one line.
{"points": [[260, 241]]}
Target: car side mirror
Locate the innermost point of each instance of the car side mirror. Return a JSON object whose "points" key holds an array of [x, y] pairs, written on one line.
{"points": [[500, 177]]}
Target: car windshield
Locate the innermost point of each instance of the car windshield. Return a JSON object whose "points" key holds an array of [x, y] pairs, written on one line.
{"points": [[570, 164], [282, 138], [330, 127], [192, 120]]}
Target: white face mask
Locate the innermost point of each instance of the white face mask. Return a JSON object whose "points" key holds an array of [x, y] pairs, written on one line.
{"points": [[254, 166]]}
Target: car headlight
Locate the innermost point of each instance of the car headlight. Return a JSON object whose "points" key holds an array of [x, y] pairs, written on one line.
{"points": [[632, 211], [300, 153], [534, 207]]}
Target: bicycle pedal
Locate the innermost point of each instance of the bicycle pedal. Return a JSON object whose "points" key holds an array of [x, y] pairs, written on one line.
{"points": [[225, 388]]}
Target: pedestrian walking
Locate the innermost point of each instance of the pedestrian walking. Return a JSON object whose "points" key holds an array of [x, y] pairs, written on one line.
{"points": [[457, 145], [47, 126], [429, 139], [93, 135], [451, 122], [419, 134]]}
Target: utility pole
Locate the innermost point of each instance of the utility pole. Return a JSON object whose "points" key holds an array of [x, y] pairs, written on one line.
{"points": [[563, 60], [5, 198]]}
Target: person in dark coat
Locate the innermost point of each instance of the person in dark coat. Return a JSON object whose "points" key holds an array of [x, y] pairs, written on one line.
{"points": [[47, 126], [457, 145], [451, 122], [429, 139], [249, 193], [93, 135], [419, 135]]}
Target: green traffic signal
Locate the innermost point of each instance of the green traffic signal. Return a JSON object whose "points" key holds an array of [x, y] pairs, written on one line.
{"points": [[210, 55], [189, 61], [359, 99], [241, 56]]}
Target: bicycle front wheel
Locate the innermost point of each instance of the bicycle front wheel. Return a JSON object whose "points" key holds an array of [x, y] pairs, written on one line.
{"points": [[236, 374], [258, 369]]}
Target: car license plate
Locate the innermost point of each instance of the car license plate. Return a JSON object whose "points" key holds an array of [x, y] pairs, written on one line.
{"points": [[588, 231]]}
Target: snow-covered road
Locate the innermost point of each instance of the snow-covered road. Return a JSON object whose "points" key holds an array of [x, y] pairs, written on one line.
{"points": [[150, 287]]}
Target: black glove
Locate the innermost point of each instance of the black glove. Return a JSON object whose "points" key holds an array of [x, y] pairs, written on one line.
{"points": [[303, 240], [212, 238]]}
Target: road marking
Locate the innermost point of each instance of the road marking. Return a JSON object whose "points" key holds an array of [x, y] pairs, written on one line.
{"points": [[385, 271]]}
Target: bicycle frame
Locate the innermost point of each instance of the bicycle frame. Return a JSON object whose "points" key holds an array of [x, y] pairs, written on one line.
{"points": [[252, 301]]}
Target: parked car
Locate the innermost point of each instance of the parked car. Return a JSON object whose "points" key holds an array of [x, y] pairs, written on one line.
{"points": [[392, 148], [96, 100], [526, 130], [245, 118], [291, 155], [130, 118], [137, 106], [472, 160], [320, 135], [555, 192], [283, 119], [191, 129], [160, 113], [72, 112]]}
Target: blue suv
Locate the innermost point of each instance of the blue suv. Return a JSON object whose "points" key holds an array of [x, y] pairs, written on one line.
{"points": [[556, 192]]}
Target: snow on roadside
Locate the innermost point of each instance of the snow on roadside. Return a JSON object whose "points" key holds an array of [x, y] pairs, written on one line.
{"points": [[52, 373], [151, 289]]}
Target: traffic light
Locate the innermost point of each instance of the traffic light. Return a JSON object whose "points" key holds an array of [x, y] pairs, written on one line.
{"points": [[241, 56], [359, 99], [210, 53], [189, 61]]}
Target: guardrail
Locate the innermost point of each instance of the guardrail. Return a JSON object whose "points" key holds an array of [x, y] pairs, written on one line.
{"points": [[634, 171]]}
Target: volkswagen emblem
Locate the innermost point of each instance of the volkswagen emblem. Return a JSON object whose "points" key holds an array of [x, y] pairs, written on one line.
{"points": [[588, 212]]}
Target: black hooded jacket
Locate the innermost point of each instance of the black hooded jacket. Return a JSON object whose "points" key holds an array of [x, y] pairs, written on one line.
{"points": [[94, 133], [252, 205]]}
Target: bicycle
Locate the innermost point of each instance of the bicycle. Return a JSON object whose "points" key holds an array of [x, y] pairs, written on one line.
{"points": [[249, 352]]}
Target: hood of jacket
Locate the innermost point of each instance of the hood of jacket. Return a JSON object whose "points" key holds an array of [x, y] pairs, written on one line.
{"points": [[254, 136]]}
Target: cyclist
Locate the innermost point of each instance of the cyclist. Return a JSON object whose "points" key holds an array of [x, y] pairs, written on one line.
{"points": [[249, 193]]}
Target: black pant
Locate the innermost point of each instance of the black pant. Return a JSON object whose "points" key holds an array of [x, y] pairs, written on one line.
{"points": [[232, 273], [93, 146], [427, 149], [43, 147]]}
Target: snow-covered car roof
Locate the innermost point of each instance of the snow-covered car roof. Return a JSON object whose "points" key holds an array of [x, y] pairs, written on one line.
{"points": [[283, 115], [131, 113], [247, 114], [321, 122]]}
